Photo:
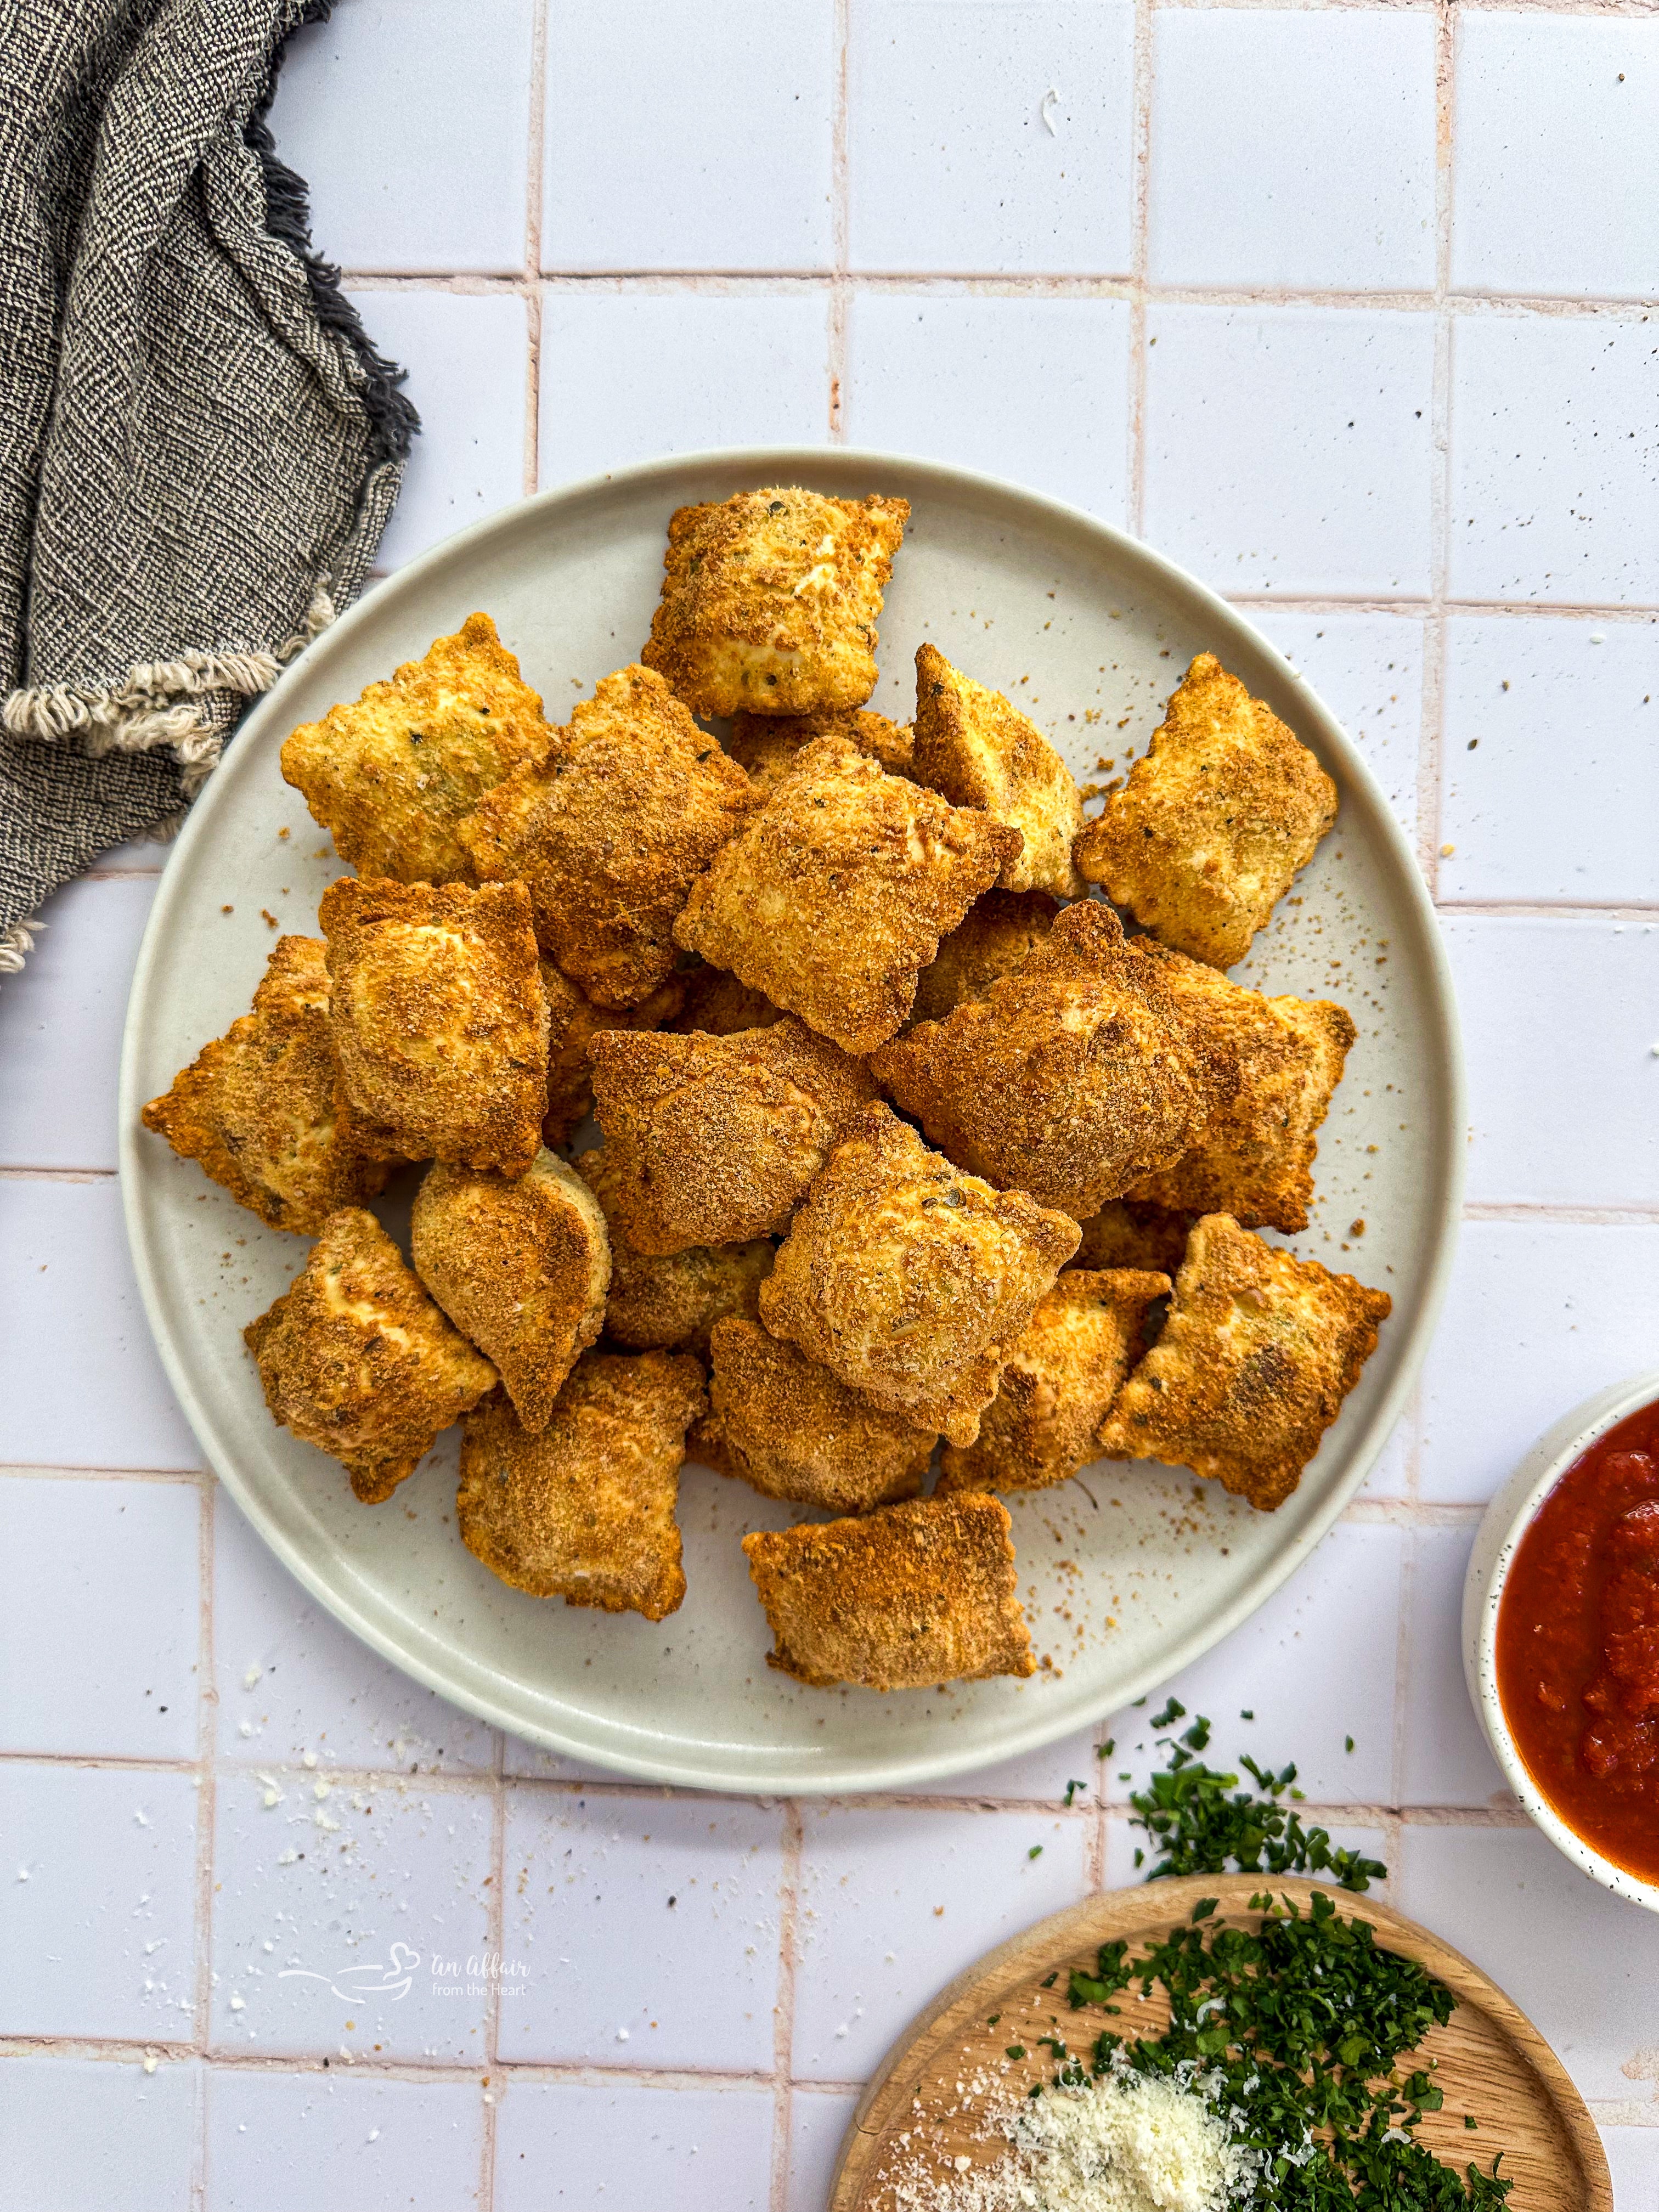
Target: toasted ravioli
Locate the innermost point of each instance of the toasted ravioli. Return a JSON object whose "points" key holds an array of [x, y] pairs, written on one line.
{"points": [[256, 1107], [584, 1510], [790, 1429], [834, 897], [393, 776], [523, 1269], [904, 1598], [910, 1280], [671, 1304], [1214, 823], [1277, 1061], [1257, 1355], [630, 802], [769, 601], [714, 1000], [995, 937], [1123, 1235], [715, 1138], [767, 744], [1059, 1384], [976, 749], [439, 1021], [573, 1021], [356, 1360], [1065, 1080]]}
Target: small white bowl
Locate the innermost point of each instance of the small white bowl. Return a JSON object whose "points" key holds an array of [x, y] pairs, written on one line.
{"points": [[1506, 1521]]}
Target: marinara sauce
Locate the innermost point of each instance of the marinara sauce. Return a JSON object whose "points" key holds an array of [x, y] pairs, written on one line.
{"points": [[1578, 1646]]}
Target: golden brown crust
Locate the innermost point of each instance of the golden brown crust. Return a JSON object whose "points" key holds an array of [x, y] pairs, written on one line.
{"points": [[438, 1020], [714, 1000], [1214, 821], [1123, 1235], [630, 802], [789, 1428], [714, 1139], [573, 1021], [1059, 1384], [393, 774], [256, 1106], [905, 1597], [671, 1304], [769, 601], [766, 745], [910, 1280], [523, 1270], [356, 1360], [1067, 1080], [834, 897], [995, 937], [585, 1511], [977, 750], [1258, 1353]]}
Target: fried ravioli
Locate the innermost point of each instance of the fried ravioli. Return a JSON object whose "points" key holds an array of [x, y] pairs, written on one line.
{"points": [[1123, 1235], [356, 1360], [573, 1021], [393, 776], [976, 749], [629, 804], [714, 1000], [995, 937], [438, 1020], [790, 1429], [911, 1281], [834, 897], [671, 1304], [256, 1107], [1214, 822], [769, 601], [521, 1268], [1257, 1355], [768, 746], [585, 1511], [902, 1598], [1059, 1384]]}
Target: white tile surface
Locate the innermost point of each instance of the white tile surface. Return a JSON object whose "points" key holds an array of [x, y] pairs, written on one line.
{"points": [[1296, 183], [1041, 1775], [618, 2146], [1288, 448], [1391, 1477], [1368, 669], [1633, 2157], [377, 2146], [82, 2135], [1444, 1756], [818, 2120]]}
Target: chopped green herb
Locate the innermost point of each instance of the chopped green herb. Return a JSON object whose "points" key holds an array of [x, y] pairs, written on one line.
{"points": [[1347, 1743], [1201, 1822], [1107, 1748], [1204, 1908], [1469, 2120], [993, 2021], [1072, 1788], [1174, 1711], [1016, 2050], [1035, 1851], [1198, 1735], [1246, 1715], [1048, 1983]]}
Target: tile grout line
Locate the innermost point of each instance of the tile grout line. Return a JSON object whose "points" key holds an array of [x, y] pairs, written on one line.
{"points": [[1141, 80], [783, 2012], [535, 169], [840, 215], [1434, 632], [496, 1938], [207, 1727]]}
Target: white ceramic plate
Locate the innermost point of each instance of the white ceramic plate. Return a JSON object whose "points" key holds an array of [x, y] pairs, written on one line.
{"points": [[1127, 1579]]}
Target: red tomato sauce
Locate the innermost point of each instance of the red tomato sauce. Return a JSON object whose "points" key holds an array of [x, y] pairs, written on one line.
{"points": [[1578, 1646]]}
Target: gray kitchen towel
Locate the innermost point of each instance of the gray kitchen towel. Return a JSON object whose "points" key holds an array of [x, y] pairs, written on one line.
{"points": [[199, 447]]}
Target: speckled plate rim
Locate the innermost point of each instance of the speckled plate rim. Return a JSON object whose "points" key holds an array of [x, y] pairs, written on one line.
{"points": [[1026, 1732]]}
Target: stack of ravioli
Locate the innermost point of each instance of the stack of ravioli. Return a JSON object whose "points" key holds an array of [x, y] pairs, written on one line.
{"points": [[906, 1142]]}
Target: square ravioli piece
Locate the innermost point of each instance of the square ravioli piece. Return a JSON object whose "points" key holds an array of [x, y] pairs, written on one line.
{"points": [[522, 1268], [976, 749], [790, 1429], [671, 1304], [628, 805], [769, 601], [573, 1021], [1214, 822], [1257, 1355], [996, 937], [356, 1360], [585, 1511], [1069, 1081], [1059, 1384], [834, 897], [393, 776], [714, 1139], [905, 1598], [768, 746], [911, 1281], [1274, 1063], [256, 1107]]}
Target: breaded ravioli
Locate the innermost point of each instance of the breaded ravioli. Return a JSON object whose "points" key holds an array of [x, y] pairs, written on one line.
{"points": [[393, 776], [523, 1269], [769, 601], [714, 1000], [1276, 1063], [671, 1304], [1067, 1080], [1214, 821], [630, 802], [911, 1280], [439, 1021], [585, 1509], [904, 1598], [1123, 1235], [572, 1020], [767, 744], [995, 937], [256, 1107], [1059, 1384], [1257, 1355], [976, 749], [356, 1360], [785, 1425], [714, 1139], [834, 897]]}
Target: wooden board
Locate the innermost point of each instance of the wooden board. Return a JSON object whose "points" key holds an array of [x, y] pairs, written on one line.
{"points": [[1493, 2064]]}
